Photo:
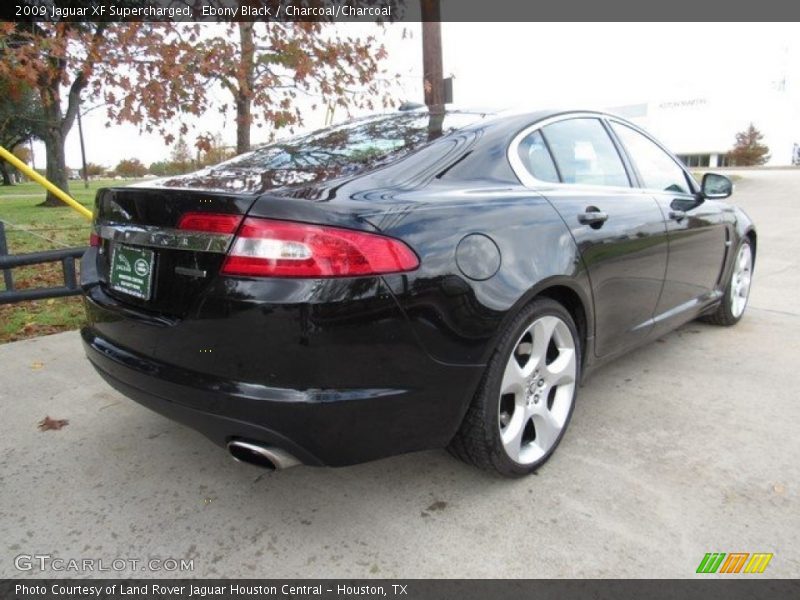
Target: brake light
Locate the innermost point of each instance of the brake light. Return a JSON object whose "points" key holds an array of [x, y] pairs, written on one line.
{"points": [[266, 248], [209, 222], [94, 240]]}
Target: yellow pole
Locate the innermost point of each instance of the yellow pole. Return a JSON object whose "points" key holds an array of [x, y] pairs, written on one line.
{"points": [[58, 193]]}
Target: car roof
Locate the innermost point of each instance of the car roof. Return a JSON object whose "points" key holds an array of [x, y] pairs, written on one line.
{"points": [[517, 116]]}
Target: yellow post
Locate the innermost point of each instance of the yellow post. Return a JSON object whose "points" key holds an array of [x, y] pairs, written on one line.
{"points": [[58, 193]]}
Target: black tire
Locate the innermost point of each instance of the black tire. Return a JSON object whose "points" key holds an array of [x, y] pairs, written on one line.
{"points": [[724, 314], [478, 440]]}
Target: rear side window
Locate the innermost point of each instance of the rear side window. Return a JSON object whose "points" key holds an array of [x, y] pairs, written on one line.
{"points": [[536, 158], [584, 153], [657, 168]]}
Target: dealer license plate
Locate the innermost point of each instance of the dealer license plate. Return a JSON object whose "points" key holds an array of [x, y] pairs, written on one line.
{"points": [[131, 271]]}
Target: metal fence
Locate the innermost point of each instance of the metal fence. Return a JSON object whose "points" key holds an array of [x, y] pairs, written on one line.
{"points": [[67, 258]]}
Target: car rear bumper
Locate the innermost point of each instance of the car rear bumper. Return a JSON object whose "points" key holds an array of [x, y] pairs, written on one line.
{"points": [[167, 392], [318, 427], [332, 383]]}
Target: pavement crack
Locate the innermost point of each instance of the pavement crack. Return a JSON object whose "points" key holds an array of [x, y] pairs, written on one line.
{"points": [[772, 310]]}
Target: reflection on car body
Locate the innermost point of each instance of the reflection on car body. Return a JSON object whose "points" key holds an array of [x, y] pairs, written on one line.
{"points": [[409, 281]]}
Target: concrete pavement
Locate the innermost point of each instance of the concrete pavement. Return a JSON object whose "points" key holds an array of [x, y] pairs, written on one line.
{"points": [[689, 445]]}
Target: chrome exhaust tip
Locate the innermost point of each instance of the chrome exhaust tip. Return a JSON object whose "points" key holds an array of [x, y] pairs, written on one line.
{"points": [[266, 457]]}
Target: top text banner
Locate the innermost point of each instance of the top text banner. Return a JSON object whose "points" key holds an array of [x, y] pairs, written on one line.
{"points": [[398, 10]]}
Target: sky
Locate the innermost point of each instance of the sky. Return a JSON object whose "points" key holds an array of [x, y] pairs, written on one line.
{"points": [[538, 65]]}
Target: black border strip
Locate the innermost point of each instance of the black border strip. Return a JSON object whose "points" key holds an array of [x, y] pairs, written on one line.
{"points": [[402, 10], [739, 587]]}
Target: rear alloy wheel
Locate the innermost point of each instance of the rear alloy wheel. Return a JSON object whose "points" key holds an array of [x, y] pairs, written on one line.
{"points": [[737, 292], [526, 399]]}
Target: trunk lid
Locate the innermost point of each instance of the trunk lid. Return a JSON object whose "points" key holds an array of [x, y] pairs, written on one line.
{"points": [[170, 268], [139, 235]]}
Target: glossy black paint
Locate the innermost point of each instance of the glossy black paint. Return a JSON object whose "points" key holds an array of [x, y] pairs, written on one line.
{"points": [[173, 292], [626, 258], [340, 371]]}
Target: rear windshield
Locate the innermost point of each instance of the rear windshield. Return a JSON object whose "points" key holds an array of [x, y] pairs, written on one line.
{"points": [[351, 148], [339, 151]]}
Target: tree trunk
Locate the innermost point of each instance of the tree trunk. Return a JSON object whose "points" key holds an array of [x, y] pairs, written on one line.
{"points": [[56, 171], [57, 126], [6, 175], [54, 134], [243, 119], [244, 95]]}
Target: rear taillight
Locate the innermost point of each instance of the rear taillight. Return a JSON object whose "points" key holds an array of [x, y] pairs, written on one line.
{"points": [[266, 248], [94, 240], [209, 222]]}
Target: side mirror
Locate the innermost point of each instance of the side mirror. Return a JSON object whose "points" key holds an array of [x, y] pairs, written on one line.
{"points": [[716, 187]]}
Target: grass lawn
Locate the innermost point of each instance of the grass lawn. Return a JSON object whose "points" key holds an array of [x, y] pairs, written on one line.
{"points": [[31, 228]]}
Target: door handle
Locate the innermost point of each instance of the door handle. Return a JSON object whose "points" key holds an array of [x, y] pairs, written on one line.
{"points": [[677, 215], [593, 217]]}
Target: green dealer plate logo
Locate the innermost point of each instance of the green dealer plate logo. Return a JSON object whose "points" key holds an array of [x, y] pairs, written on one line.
{"points": [[131, 271]]}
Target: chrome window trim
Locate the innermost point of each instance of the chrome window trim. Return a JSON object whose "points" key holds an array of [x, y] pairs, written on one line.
{"points": [[528, 180], [165, 237], [526, 177]]}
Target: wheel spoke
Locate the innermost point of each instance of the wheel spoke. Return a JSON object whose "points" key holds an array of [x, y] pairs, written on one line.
{"points": [[562, 369], [513, 378], [512, 435], [547, 429], [744, 258], [542, 331]]}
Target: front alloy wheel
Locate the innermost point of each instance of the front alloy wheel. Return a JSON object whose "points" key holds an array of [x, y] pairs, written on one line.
{"points": [[737, 291], [740, 281], [526, 398]]}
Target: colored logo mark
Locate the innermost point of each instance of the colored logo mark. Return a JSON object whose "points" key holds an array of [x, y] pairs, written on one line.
{"points": [[735, 562]]}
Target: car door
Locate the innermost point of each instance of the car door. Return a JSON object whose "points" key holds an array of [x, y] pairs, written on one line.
{"points": [[697, 233], [618, 228]]}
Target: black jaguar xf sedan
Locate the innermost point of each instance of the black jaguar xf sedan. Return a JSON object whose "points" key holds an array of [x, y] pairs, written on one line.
{"points": [[406, 281]]}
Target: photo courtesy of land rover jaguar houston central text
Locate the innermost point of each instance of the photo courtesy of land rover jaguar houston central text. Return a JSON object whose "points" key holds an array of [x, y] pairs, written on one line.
{"points": [[406, 281]]}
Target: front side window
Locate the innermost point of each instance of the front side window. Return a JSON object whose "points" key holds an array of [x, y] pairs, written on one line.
{"points": [[657, 168], [584, 153]]}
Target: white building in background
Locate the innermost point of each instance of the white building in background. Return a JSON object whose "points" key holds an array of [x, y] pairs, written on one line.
{"points": [[702, 130]]}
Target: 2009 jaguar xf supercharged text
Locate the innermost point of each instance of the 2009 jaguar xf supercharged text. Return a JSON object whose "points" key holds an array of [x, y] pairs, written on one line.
{"points": [[406, 281]]}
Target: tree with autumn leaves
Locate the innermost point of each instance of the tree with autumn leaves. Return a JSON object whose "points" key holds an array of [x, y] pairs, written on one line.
{"points": [[748, 150], [263, 68], [130, 167], [160, 75], [20, 119], [58, 61]]}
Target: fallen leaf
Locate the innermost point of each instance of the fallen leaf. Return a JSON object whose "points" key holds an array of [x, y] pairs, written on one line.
{"points": [[779, 489], [47, 423], [36, 366]]}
